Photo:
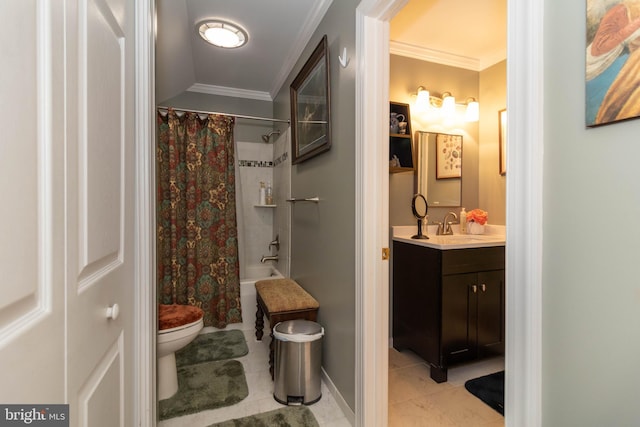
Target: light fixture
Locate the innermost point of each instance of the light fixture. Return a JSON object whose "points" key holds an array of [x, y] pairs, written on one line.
{"points": [[422, 100], [472, 113], [445, 106], [222, 34]]}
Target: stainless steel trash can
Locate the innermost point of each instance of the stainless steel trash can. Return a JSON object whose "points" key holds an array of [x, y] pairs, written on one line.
{"points": [[298, 358]]}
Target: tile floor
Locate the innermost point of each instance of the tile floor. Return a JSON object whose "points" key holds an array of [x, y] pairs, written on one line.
{"points": [[260, 398], [415, 400]]}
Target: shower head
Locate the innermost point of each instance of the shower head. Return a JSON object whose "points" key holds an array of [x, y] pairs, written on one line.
{"points": [[265, 138]]}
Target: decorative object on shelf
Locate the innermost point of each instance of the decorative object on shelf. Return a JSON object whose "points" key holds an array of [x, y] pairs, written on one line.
{"points": [[502, 133], [612, 60], [446, 104], [476, 220], [400, 140], [311, 107], [448, 156]]}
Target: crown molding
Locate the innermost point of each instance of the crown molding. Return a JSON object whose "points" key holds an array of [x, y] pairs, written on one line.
{"points": [[308, 28], [230, 91], [431, 55]]}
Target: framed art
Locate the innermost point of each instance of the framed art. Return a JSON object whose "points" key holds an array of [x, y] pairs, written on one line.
{"points": [[612, 61], [310, 107], [502, 136], [448, 156]]}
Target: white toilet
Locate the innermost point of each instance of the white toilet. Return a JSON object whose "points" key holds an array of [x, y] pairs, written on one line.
{"points": [[178, 326]]}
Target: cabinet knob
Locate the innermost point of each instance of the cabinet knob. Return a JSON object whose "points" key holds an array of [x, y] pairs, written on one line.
{"points": [[483, 287], [474, 288]]}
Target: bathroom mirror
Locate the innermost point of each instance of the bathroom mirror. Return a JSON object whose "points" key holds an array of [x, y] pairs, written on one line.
{"points": [[419, 207], [445, 192]]}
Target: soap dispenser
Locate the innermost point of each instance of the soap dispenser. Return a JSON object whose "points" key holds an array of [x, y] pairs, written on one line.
{"points": [[463, 221]]}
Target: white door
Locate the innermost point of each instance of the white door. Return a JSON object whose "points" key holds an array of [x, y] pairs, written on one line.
{"points": [[67, 165]]}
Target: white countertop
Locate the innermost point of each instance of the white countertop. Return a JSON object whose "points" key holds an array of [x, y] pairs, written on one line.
{"points": [[494, 236]]}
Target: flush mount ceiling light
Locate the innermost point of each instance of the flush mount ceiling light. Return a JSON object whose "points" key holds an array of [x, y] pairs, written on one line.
{"points": [[222, 34]]}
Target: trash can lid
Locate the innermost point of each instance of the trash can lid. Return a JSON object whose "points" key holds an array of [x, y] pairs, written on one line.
{"points": [[298, 331]]}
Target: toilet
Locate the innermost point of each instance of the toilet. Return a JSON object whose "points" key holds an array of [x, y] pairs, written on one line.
{"points": [[179, 325]]}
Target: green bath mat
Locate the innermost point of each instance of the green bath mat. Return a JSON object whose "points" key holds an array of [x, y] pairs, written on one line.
{"points": [[206, 386], [220, 345], [289, 416]]}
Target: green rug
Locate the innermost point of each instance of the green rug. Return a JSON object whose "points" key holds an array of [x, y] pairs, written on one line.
{"points": [[206, 386], [220, 345], [289, 416]]}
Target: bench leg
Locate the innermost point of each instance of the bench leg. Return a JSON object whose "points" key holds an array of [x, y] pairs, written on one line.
{"points": [[259, 322]]}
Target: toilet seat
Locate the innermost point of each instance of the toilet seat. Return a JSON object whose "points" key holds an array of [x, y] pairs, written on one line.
{"points": [[174, 317]]}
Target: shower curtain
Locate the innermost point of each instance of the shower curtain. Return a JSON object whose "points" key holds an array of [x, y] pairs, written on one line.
{"points": [[197, 243]]}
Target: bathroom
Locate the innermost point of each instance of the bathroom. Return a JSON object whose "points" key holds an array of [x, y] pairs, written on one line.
{"points": [[258, 226]]}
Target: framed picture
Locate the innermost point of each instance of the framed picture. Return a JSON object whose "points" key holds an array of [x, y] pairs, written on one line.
{"points": [[612, 61], [502, 134], [448, 156], [310, 107]]}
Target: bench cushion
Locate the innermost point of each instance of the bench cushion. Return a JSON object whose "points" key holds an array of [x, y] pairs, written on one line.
{"points": [[284, 295]]}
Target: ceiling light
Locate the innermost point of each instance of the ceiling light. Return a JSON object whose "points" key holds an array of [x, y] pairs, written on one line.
{"points": [[222, 34]]}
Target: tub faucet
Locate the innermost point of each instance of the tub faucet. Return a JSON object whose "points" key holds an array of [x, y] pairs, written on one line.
{"points": [[444, 228], [266, 258]]}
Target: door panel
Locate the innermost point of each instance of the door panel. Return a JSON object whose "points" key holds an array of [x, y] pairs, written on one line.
{"points": [[100, 150], [31, 252]]}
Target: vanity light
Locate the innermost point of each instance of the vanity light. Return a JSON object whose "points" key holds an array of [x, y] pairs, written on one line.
{"points": [[422, 100], [446, 105], [472, 114], [222, 34]]}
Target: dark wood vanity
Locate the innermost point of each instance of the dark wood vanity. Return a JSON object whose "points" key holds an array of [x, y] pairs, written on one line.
{"points": [[448, 305]]}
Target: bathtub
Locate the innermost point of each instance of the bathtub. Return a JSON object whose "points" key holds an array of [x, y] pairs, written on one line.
{"points": [[253, 273]]}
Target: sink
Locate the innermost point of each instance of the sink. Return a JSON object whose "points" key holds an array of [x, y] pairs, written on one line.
{"points": [[460, 239], [457, 241]]}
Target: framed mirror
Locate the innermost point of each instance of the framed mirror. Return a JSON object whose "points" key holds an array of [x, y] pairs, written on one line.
{"points": [[442, 189]]}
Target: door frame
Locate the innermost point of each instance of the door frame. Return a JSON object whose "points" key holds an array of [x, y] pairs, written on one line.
{"points": [[525, 35], [145, 290]]}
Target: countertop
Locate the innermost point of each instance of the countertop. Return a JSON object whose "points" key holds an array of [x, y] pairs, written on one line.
{"points": [[494, 236]]}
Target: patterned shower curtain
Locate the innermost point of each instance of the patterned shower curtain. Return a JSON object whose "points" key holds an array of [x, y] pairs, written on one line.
{"points": [[197, 238]]}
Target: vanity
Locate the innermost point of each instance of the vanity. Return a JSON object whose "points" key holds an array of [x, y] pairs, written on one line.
{"points": [[449, 296]]}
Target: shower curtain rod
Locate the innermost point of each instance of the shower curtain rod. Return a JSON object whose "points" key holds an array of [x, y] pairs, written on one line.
{"points": [[239, 116]]}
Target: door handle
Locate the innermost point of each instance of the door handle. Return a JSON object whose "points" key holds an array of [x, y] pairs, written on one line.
{"points": [[113, 312], [483, 287], [474, 288]]}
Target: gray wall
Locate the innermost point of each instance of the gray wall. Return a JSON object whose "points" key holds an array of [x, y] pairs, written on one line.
{"points": [[323, 234], [591, 290], [406, 74]]}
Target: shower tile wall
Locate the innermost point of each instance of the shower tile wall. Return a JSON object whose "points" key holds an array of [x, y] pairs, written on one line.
{"points": [[254, 163], [282, 191]]}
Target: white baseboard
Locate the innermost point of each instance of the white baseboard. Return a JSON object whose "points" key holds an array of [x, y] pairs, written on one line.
{"points": [[344, 407]]}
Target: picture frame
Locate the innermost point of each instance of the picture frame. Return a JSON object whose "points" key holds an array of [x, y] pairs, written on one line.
{"points": [[611, 62], [311, 106], [502, 137], [448, 156]]}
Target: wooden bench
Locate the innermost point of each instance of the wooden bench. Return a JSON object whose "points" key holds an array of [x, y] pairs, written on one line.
{"points": [[282, 299]]}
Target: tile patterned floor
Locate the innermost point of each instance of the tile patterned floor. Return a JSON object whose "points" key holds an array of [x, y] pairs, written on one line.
{"points": [[260, 399], [415, 400]]}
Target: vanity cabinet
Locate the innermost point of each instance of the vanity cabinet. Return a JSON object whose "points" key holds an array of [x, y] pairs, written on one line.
{"points": [[448, 305]]}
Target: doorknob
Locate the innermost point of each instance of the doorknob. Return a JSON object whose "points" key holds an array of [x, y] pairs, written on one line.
{"points": [[113, 311]]}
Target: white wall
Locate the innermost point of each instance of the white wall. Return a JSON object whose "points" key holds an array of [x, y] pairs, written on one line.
{"points": [[591, 290]]}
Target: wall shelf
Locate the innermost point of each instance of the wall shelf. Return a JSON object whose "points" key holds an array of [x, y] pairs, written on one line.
{"points": [[401, 144]]}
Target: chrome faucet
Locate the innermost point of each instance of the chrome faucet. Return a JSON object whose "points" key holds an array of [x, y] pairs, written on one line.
{"points": [[444, 227], [266, 258]]}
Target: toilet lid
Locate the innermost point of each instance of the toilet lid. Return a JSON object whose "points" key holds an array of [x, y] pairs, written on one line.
{"points": [[175, 315]]}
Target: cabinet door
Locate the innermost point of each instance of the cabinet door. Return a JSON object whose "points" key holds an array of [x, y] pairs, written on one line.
{"points": [[490, 320], [459, 311]]}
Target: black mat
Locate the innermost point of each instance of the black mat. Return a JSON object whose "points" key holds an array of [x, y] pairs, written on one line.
{"points": [[489, 389]]}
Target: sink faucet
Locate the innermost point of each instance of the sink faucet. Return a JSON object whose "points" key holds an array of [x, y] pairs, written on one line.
{"points": [[266, 258], [444, 228]]}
